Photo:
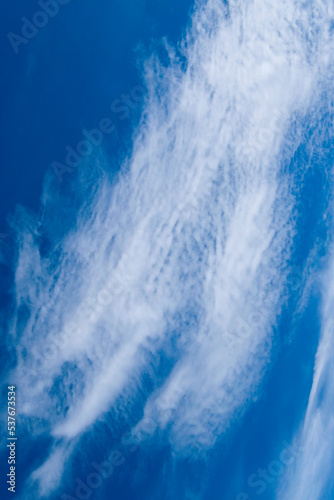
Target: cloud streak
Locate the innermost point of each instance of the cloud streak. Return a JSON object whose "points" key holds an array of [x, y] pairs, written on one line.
{"points": [[313, 474]]}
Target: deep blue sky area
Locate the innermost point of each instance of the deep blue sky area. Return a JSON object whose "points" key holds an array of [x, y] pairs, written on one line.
{"points": [[66, 78]]}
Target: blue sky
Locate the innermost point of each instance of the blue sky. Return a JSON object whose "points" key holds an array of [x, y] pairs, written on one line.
{"points": [[167, 300]]}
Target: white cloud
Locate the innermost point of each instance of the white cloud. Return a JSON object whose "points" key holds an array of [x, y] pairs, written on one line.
{"points": [[314, 468]]}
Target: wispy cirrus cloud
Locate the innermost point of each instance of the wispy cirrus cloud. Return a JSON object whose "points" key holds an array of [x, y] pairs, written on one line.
{"points": [[313, 473], [187, 247]]}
